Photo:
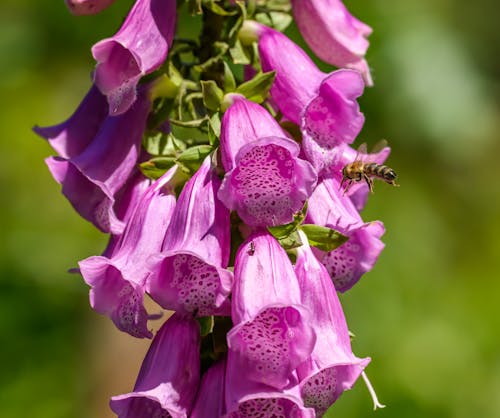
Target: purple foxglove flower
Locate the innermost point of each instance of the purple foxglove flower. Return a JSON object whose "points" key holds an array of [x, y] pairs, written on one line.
{"points": [[333, 33], [87, 7], [324, 105], [118, 279], [210, 398], [328, 206], [332, 367], [190, 272], [92, 174], [169, 376], [71, 137], [138, 48], [272, 334], [249, 399], [265, 182]]}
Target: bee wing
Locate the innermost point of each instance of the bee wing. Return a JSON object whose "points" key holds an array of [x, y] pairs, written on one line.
{"points": [[363, 149], [379, 146]]}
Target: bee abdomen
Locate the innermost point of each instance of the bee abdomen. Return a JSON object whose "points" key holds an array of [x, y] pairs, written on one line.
{"points": [[381, 171]]}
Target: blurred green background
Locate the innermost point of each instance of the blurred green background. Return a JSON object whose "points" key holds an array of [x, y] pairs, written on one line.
{"points": [[428, 314]]}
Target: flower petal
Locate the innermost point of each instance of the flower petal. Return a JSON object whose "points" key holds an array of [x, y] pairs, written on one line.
{"points": [[118, 279], [333, 33], [138, 48], [169, 376], [328, 206], [190, 272], [332, 367], [269, 184], [271, 334]]}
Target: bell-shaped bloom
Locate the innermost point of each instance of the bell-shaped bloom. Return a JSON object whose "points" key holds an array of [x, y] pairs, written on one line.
{"points": [[323, 105], [97, 156], [190, 273], [265, 182], [333, 34], [210, 400], [118, 279], [272, 333], [138, 48], [87, 7], [246, 398], [328, 206], [169, 376], [332, 367], [71, 137]]}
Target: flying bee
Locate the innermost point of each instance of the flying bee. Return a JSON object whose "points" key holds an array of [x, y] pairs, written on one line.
{"points": [[360, 170]]}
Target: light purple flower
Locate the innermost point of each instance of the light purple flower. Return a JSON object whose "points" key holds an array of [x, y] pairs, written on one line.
{"points": [[70, 138], [98, 155], [265, 182], [210, 402], [332, 367], [118, 279], [333, 33], [249, 399], [138, 48], [324, 105], [190, 272], [169, 376], [272, 333], [328, 206], [87, 7]]}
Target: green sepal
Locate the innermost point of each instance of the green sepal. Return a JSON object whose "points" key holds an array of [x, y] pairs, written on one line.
{"points": [[220, 49], [239, 53], [194, 123], [214, 130], [257, 89], [322, 237], [291, 241], [229, 80], [281, 232], [156, 167], [212, 94], [215, 8], [206, 325], [191, 159], [161, 144]]}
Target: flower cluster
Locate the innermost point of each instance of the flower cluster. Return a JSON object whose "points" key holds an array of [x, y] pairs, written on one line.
{"points": [[215, 165]]}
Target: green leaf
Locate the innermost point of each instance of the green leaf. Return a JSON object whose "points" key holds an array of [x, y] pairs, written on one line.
{"points": [[193, 157], [206, 325], [322, 237], [212, 94], [257, 89], [156, 167], [163, 144]]}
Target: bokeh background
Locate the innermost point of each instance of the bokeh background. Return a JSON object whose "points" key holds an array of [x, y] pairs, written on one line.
{"points": [[428, 314]]}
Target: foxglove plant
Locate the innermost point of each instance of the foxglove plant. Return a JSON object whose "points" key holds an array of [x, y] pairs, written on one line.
{"points": [[222, 202]]}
